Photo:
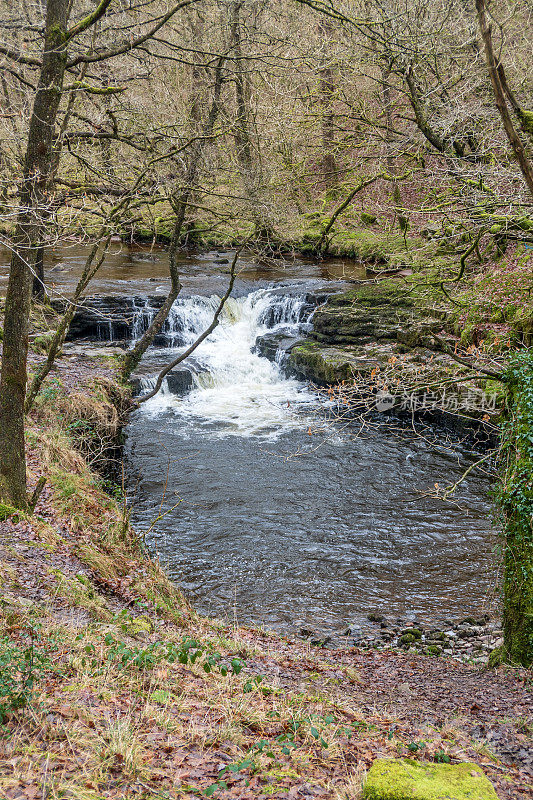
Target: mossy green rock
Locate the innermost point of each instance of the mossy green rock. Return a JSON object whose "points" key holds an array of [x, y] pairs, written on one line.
{"points": [[162, 697], [136, 626], [326, 365], [405, 779]]}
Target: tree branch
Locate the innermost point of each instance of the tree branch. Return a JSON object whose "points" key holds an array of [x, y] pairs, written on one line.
{"points": [[125, 47], [164, 372]]}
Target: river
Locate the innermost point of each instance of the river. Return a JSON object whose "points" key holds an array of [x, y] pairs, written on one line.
{"points": [[262, 508]]}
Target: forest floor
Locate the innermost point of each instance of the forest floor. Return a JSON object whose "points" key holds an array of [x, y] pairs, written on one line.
{"points": [[111, 686]]}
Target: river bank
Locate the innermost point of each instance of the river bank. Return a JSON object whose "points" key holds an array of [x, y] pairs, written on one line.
{"points": [[121, 706], [132, 693]]}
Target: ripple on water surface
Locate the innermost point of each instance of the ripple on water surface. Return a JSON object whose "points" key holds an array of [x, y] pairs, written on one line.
{"points": [[281, 525]]}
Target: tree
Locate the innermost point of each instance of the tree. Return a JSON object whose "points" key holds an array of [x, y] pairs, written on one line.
{"points": [[33, 205], [202, 136], [59, 55], [501, 89]]}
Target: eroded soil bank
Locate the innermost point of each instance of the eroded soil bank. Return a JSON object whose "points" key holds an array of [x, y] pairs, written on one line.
{"points": [[135, 695]]}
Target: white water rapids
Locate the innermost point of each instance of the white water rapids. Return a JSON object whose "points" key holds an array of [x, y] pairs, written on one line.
{"points": [[346, 527], [237, 391]]}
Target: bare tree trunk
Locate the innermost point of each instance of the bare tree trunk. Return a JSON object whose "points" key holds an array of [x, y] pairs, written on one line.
{"points": [[499, 96], [59, 336], [389, 137], [327, 93], [38, 287], [210, 328], [133, 357], [250, 167], [28, 234], [38, 290]]}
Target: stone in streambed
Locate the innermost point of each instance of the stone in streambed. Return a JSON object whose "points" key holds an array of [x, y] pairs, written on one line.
{"points": [[406, 779], [269, 344], [180, 381]]}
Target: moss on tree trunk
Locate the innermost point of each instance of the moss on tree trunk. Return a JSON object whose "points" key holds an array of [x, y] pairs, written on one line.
{"points": [[516, 501]]}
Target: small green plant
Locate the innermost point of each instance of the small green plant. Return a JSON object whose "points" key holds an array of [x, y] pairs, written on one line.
{"points": [[50, 391], [7, 511], [188, 651], [22, 663], [414, 747]]}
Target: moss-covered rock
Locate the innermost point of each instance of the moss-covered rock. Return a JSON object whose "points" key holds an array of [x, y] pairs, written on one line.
{"points": [[364, 245], [371, 313], [162, 697], [406, 779], [136, 626], [325, 365], [416, 632]]}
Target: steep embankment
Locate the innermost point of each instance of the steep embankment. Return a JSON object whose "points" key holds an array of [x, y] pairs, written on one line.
{"points": [[111, 686]]}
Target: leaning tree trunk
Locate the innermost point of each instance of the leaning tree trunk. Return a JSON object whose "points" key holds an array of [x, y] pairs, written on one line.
{"points": [[133, 356], [28, 234], [526, 166]]}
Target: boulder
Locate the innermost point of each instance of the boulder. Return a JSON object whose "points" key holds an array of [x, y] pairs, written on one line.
{"points": [[269, 344], [180, 381], [406, 779], [326, 365]]}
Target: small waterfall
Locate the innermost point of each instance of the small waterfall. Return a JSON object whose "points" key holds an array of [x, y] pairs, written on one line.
{"points": [[143, 315], [105, 332], [147, 383], [236, 389]]}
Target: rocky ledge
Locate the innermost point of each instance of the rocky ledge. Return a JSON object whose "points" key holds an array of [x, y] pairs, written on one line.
{"points": [[112, 318], [379, 336], [357, 331]]}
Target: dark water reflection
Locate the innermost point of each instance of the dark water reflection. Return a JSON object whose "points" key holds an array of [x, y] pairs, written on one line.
{"points": [[324, 537], [141, 270]]}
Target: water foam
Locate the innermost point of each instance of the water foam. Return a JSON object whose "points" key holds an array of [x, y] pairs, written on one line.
{"points": [[237, 391]]}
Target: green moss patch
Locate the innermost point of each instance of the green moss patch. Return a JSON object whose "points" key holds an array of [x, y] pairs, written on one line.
{"points": [[7, 511], [516, 501], [405, 779]]}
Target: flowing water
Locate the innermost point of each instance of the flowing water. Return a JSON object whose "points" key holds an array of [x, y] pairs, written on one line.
{"points": [[270, 512], [259, 506]]}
